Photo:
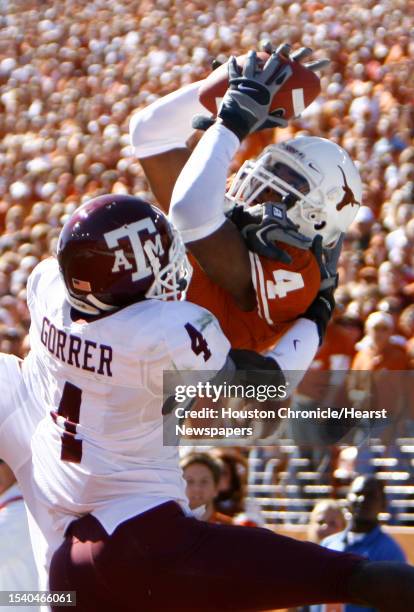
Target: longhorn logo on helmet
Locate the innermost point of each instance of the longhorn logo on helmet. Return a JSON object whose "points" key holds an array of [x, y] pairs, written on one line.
{"points": [[348, 197]]}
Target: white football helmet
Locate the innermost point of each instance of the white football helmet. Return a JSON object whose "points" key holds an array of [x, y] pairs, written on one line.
{"points": [[317, 179]]}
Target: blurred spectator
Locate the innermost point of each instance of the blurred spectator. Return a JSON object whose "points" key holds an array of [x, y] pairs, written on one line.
{"points": [[326, 518], [406, 322], [378, 381], [377, 350], [393, 305], [406, 327], [202, 474], [361, 227], [233, 481], [10, 339], [364, 536], [69, 85], [231, 499], [17, 566]]}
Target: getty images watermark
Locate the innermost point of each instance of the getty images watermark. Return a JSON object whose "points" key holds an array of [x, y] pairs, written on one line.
{"points": [[240, 410], [261, 393]]}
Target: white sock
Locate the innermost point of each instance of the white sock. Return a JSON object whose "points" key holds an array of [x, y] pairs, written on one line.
{"points": [[296, 350]]}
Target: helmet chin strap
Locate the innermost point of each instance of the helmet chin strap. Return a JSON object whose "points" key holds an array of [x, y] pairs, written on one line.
{"points": [[100, 305], [93, 306], [82, 306]]}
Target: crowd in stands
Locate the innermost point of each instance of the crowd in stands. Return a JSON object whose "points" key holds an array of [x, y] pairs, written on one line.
{"points": [[72, 72]]}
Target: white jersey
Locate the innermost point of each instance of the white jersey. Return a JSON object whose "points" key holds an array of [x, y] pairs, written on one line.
{"points": [[100, 448], [19, 416]]}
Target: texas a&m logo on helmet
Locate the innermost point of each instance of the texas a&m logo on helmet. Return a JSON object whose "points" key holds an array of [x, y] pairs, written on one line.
{"points": [[119, 249]]}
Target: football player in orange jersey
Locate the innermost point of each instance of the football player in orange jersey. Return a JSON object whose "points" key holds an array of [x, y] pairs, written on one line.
{"points": [[306, 184]]}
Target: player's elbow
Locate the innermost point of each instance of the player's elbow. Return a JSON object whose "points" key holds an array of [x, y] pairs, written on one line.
{"points": [[192, 228], [138, 127], [179, 209]]}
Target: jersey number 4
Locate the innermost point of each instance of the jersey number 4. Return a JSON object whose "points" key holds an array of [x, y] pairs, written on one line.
{"points": [[69, 409], [285, 282], [198, 342]]}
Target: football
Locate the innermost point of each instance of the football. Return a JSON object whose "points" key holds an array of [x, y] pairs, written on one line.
{"points": [[294, 96]]}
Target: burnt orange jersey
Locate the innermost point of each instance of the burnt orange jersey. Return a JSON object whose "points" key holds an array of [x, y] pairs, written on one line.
{"points": [[284, 291], [336, 353], [386, 389], [393, 357]]}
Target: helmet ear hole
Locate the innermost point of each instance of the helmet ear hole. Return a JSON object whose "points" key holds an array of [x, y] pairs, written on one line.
{"points": [[289, 200]]}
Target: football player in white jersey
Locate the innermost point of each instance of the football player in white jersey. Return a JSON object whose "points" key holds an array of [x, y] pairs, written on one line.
{"points": [[100, 342], [106, 322], [23, 402]]}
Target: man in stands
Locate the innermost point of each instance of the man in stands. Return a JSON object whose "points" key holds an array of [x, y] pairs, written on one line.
{"points": [[364, 536], [327, 518], [379, 369]]}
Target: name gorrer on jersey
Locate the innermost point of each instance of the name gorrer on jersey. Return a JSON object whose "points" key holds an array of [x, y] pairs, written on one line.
{"points": [[81, 353]]}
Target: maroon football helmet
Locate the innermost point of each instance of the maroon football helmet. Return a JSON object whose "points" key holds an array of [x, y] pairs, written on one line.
{"points": [[119, 249]]}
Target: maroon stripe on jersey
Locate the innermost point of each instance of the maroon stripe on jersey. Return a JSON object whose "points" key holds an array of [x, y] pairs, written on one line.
{"points": [[71, 448], [70, 427], [69, 408], [10, 501]]}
